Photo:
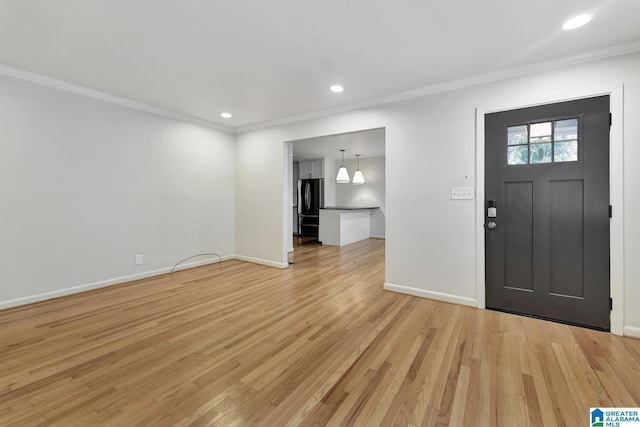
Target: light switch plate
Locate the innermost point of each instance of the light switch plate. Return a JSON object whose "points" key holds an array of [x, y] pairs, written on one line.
{"points": [[462, 193]]}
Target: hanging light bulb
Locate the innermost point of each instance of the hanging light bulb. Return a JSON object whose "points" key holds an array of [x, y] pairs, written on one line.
{"points": [[343, 175], [358, 178]]}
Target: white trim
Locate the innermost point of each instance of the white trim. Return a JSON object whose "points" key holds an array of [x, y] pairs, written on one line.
{"points": [[616, 169], [439, 296], [287, 217], [261, 261], [495, 76], [16, 73], [630, 331], [616, 198], [104, 283], [479, 205], [375, 236]]}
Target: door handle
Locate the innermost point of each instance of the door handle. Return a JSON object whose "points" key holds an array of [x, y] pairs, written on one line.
{"points": [[491, 225], [307, 197]]}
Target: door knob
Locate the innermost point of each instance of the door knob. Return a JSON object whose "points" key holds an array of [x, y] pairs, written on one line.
{"points": [[491, 225]]}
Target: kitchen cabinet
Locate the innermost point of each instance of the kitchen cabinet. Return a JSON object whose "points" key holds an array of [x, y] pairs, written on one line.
{"points": [[311, 169]]}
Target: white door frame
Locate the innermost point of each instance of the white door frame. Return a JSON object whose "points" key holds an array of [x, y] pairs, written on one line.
{"points": [[616, 195]]}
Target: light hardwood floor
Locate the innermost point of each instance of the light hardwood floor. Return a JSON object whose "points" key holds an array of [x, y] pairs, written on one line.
{"points": [[319, 343]]}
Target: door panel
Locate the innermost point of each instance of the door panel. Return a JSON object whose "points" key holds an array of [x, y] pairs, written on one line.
{"points": [[547, 169], [518, 225], [567, 228]]}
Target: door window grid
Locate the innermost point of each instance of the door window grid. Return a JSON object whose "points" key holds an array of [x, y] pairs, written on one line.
{"points": [[553, 141]]}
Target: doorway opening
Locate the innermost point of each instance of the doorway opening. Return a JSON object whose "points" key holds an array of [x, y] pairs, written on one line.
{"points": [[312, 190]]}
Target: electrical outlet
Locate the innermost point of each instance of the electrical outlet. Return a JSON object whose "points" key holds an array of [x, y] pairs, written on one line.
{"points": [[138, 259], [462, 193]]}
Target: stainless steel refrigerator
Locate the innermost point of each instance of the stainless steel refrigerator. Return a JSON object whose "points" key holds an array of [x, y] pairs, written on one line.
{"points": [[310, 200]]}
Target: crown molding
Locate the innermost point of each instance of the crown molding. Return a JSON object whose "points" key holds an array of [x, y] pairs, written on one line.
{"points": [[508, 73], [16, 73], [495, 76]]}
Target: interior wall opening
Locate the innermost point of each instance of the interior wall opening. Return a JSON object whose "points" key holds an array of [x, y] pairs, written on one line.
{"points": [[322, 211]]}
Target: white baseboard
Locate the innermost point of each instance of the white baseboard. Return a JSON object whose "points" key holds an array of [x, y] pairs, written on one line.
{"points": [[376, 237], [630, 331], [104, 283], [439, 296], [261, 261]]}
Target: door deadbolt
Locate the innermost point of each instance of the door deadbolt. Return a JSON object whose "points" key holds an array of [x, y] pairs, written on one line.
{"points": [[491, 209]]}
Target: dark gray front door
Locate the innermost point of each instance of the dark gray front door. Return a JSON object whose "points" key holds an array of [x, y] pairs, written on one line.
{"points": [[547, 247]]}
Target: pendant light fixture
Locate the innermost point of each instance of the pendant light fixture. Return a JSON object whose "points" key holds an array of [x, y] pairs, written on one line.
{"points": [[358, 178], [343, 175]]}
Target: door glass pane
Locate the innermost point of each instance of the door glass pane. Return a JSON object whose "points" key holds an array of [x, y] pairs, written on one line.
{"points": [[517, 135], [545, 142], [566, 129], [566, 151], [541, 153], [540, 132], [518, 155]]}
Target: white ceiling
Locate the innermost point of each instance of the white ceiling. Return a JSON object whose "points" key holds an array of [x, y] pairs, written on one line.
{"points": [[367, 143], [270, 60]]}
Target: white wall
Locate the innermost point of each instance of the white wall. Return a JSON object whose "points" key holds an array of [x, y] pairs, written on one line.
{"points": [[330, 171], [260, 163], [430, 142], [85, 185], [371, 193]]}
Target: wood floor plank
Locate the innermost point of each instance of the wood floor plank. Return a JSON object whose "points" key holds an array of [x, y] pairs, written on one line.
{"points": [[317, 344]]}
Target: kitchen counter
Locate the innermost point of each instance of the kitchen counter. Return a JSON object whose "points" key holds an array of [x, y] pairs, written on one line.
{"points": [[348, 208], [341, 225]]}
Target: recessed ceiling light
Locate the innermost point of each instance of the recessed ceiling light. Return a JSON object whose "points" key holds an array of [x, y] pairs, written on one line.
{"points": [[577, 21], [336, 88], [226, 115]]}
